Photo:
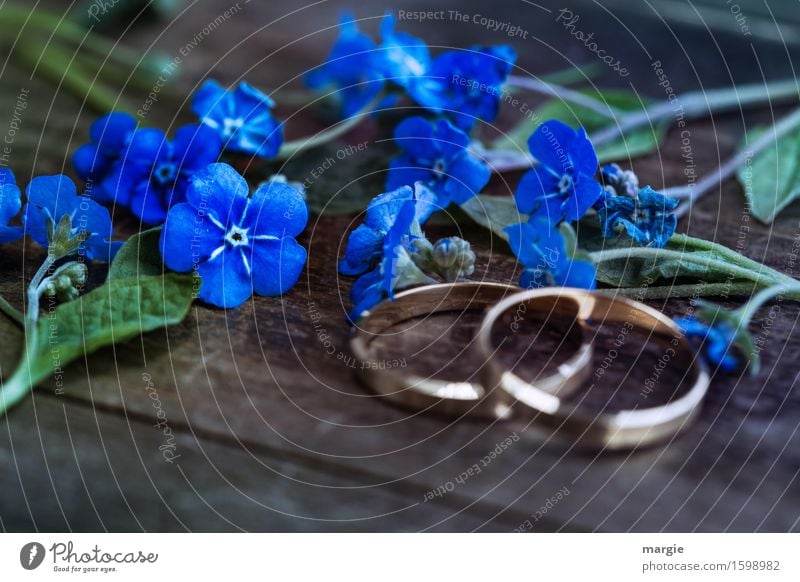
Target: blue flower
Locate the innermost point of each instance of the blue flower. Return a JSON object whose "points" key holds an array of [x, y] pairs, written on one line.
{"points": [[396, 269], [109, 136], [10, 203], [50, 198], [562, 186], [542, 250], [155, 172], [400, 58], [716, 341], [237, 244], [465, 85], [648, 218], [242, 118], [437, 154], [365, 244], [349, 68]]}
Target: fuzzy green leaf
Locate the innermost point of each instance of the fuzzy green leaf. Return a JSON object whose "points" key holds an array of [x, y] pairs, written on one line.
{"points": [[139, 257], [494, 212], [114, 312], [772, 181]]}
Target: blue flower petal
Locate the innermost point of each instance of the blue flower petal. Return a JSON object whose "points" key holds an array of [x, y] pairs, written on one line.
{"points": [[363, 247], [207, 98], [276, 265], [582, 197], [579, 274], [583, 155], [404, 171], [188, 238], [468, 176], [112, 131], [196, 146], [533, 189], [10, 202], [551, 144], [220, 191], [416, 134], [400, 57], [225, 280], [146, 145], [384, 208], [276, 209]]}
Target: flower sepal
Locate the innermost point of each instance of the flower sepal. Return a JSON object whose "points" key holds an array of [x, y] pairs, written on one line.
{"points": [[61, 242]]}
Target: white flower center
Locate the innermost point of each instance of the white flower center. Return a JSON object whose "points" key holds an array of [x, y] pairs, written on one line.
{"points": [[237, 237], [231, 125]]}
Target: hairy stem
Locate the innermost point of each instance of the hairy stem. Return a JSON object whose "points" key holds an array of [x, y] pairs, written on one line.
{"points": [[294, 147], [565, 94], [12, 312], [19, 384], [746, 312]]}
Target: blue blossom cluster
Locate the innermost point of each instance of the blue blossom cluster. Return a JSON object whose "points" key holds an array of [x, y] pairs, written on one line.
{"points": [[645, 215], [562, 187], [463, 85], [51, 200], [143, 170], [437, 154], [380, 250]]}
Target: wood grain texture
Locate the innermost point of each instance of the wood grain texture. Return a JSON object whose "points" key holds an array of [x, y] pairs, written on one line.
{"points": [[272, 430]]}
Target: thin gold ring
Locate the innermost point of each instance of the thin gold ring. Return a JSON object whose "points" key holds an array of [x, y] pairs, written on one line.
{"points": [[614, 430], [452, 398]]}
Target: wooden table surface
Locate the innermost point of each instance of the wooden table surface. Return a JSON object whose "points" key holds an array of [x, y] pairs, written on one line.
{"points": [[269, 431]]}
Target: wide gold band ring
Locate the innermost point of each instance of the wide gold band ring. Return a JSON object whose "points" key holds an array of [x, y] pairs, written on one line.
{"points": [[614, 430], [452, 398]]}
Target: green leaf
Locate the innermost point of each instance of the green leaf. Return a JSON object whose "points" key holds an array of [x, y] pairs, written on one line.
{"points": [[114, 312], [339, 178], [139, 256], [494, 212], [772, 181], [633, 144], [620, 263]]}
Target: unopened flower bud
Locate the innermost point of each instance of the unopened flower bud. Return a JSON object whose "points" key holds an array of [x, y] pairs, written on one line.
{"points": [[66, 283], [453, 258], [618, 181]]}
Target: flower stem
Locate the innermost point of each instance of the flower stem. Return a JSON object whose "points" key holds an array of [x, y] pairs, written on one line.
{"points": [[694, 192], [745, 312], [20, 384], [294, 147], [702, 103], [565, 94], [12, 312]]}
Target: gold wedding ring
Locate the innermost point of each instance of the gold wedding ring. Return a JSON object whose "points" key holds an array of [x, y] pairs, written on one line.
{"points": [[452, 398], [614, 430]]}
